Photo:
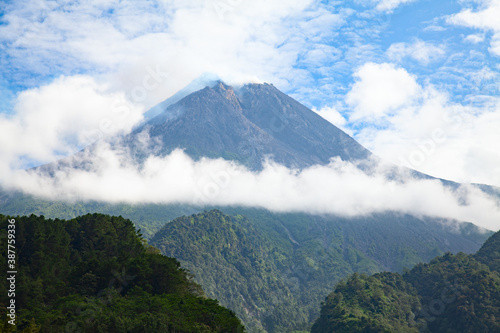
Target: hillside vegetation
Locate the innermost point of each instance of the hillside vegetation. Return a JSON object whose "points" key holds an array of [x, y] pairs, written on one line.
{"points": [[95, 273], [273, 270], [452, 293]]}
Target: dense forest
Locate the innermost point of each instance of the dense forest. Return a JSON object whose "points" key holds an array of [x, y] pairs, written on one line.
{"points": [[452, 293], [273, 270], [234, 261], [95, 273]]}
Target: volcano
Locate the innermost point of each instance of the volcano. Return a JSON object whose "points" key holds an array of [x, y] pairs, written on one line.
{"points": [[249, 125]]}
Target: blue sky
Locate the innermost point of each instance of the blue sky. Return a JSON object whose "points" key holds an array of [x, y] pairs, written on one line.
{"points": [[415, 81]]}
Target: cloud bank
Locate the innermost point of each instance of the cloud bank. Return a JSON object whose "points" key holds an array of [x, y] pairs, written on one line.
{"points": [[339, 188]]}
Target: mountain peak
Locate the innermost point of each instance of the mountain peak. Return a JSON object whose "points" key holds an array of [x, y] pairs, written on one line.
{"points": [[227, 92], [248, 125]]}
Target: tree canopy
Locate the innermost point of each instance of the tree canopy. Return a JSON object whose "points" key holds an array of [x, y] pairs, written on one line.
{"points": [[96, 273]]}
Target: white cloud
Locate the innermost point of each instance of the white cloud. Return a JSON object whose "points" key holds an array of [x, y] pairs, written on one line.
{"points": [[334, 117], [486, 19], [379, 90], [424, 129], [390, 5], [339, 188], [58, 119], [237, 40], [474, 38], [419, 50]]}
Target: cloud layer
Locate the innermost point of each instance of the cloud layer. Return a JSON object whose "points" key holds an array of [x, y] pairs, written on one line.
{"points": [[339, 188]]}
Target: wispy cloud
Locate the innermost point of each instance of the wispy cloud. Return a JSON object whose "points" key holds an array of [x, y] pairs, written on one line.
{"points": [[474, 38], [334, 117], [234, 39], [389, 5], [486, 19], [419, 50]]}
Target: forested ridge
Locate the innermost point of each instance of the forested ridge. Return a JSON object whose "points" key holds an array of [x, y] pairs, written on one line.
{"points": [[95, 273], [273, 270], [236, 262], [451, 293]]}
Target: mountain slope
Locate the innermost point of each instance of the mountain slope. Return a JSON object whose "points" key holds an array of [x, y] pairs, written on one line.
{"points": [[382, 302], [489, 253], [237, 262]]}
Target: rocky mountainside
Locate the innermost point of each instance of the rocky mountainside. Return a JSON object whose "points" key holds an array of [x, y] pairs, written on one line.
{"points": [[247, 125]]}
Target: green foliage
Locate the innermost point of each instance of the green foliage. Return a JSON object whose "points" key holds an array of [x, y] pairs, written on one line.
{"points": [[94, 273], [234, 261], [489, 253], [273, 269], [378, 303], [301, 254], [452, 293], [458, 294]]}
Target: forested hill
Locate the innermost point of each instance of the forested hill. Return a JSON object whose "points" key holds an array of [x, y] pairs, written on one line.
{"points": [[452, 293], [239, 265], [274, 269], [489, 253], [95, 273]]}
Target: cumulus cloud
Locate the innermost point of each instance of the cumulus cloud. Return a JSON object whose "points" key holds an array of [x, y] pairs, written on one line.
{"points": [[485, 19], [419, 50], [335, 117], [420, 127], [339, 188], [379, 90], [58, 119]]}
